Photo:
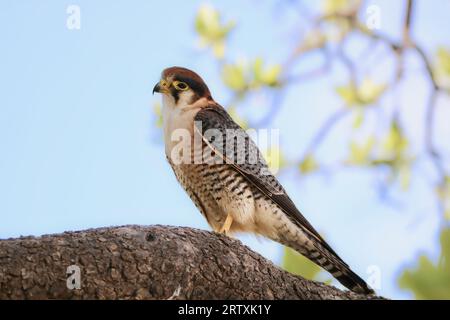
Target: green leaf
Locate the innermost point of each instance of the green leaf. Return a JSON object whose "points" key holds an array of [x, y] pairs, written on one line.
{"points": [[395, 143], [299, 265], [443, 57], [443, 193], [338, 6], [367, 93], [348, 94], [405, 177], [158, 115], [360, 153], [234, 76], [212, 30], [308, 164], [219, 49], [265, 76], [241, 76], [429, 280], [359, 119], [274, 158]]}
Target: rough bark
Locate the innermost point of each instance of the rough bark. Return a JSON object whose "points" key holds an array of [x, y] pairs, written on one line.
{"points": [[155, 262]]}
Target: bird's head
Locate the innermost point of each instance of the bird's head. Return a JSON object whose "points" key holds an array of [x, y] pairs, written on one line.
{"points": [[181, 87]]}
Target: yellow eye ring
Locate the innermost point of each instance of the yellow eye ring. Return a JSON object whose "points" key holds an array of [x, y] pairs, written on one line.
{"points": [[180, 85]]}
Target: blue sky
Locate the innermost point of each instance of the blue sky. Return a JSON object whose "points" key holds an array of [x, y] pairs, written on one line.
{"points": [[79, 148]]}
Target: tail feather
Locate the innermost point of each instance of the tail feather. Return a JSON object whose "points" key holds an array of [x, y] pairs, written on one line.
{"points": [[352, 281], [332, 263], [325, 257], [347, 277]]}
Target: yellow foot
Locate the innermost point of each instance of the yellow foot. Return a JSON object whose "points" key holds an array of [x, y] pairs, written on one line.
{"points": [[226, 225]]}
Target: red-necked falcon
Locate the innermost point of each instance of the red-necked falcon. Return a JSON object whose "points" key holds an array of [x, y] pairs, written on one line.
{"points": [[228, 179]]}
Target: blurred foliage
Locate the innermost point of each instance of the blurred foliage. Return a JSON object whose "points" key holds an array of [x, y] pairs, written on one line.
{"points": [[314, 39], [241, 77], [388, 148], [274, 158], [308, 164], [339, 6], [444, 61], [212, 30], [265, 76], [443, 192], [442, 67], [385, 147], [395, 143], [429, 280], [299, 265], [358, 119], [361, 153], [367, 93], [157, 111], [394, 153], [337, 22], [234, 76]]}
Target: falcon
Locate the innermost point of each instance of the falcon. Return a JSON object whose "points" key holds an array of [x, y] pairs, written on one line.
{"points": [[224, 174]]}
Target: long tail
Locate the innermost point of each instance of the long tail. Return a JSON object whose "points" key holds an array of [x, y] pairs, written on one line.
{"points": [[322, 254], [339, 270]]}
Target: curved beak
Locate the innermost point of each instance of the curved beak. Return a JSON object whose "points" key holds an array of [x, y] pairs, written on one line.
{"points": [[156, 88], [160, 87]]}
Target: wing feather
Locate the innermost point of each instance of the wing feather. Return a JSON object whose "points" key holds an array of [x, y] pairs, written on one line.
{"points": [[215, 118]]}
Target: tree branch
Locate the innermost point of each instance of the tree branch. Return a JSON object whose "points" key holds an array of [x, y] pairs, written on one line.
{"points": [[407, 24], [156, 262]]}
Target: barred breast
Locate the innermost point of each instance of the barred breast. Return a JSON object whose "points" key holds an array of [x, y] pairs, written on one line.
{"points": [[218, 190]]}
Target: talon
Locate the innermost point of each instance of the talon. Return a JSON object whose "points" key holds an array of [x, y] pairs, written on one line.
{"points": [[226, 225]]}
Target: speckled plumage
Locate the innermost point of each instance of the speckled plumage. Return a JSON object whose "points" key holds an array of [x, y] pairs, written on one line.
{"points": [[240, 187]]}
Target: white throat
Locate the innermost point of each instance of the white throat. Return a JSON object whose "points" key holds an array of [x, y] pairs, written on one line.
{"points": [[178, 116]]}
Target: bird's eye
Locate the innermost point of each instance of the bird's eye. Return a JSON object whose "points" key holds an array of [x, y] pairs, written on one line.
{"points": [[179, 85]]}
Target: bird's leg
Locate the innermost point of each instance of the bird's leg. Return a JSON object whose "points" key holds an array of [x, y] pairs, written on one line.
{"points": [[226, 225]]}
